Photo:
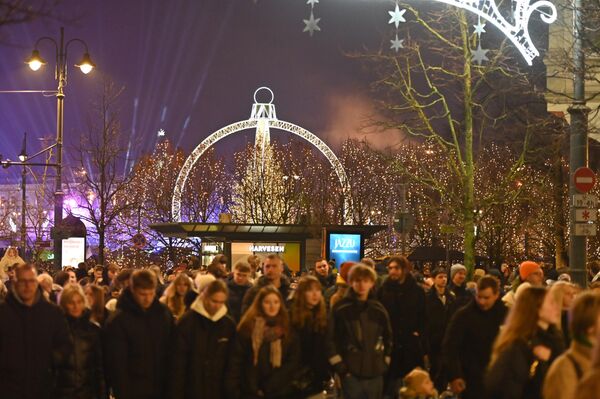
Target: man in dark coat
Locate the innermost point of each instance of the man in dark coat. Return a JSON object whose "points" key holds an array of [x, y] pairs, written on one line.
{"points": [[138, 339], [458, 285], [273, 269], [469, 338], [440, 305], [404, 301], [238, 285], [204, 341], [322, 272], [34, 340]]}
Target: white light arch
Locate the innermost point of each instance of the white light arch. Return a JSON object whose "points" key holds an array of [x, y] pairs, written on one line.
{"points": [[253, 123]]}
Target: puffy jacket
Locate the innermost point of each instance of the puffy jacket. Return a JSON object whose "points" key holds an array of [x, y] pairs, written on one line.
{"points": [[203, 344], [83, 378], [405, 305], [34, 347], [284, 290], [359, 337], [245, 380], [137, 348]]}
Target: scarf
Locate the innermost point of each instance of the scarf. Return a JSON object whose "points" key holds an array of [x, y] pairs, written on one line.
{"points": [[263, 332]]}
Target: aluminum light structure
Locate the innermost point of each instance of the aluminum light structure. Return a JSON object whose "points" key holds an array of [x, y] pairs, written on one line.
{"points": [[263, 118]]}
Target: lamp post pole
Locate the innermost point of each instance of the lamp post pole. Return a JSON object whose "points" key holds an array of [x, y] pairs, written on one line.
{"points": [[86, 65], [23, 157], [578, 145]]}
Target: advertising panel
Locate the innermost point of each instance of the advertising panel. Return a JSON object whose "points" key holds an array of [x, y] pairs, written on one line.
{"points": [[289, 252], [343, 247], [73, 251]]}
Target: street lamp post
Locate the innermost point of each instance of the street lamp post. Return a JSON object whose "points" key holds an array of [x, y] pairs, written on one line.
{"points": [[85, 65], [23, 158]]}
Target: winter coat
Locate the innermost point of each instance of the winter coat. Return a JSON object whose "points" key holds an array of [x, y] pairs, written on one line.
{"points": [[517, 373], [234, 300], [566, 371], [359, 337], [467, 345], [284, 290], [244, 379], [589, 386], [438, 318], [203, 344], [405, 305], [463, 296], [137, 348], [83, 378], [326, 282], [313, 345], [34, 347]]}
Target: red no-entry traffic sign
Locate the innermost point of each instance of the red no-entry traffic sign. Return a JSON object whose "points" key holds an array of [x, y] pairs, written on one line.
{"points": [[584, 179]]}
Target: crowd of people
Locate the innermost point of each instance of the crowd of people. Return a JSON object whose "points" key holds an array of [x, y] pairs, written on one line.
{"points": [[253, 332]]}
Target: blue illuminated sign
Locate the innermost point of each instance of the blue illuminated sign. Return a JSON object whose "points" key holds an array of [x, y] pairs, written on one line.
{"points": [[344, 248]]}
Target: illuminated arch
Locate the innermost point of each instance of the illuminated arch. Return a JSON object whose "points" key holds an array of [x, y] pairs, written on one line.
{"points": [[253, 123]]}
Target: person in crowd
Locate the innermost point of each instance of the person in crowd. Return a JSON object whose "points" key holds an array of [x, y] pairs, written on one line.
{"points": [[404, 301], [34, 341], [218, 267], [530, 273], [238, 285], [112, 271], [273, 275], [62, 278], [564, 295], [568, 369], [266, 354], [334, 294], [458, 285], [589, 386], [175, 294], [11, 257], [255, 264], [95, 297], [84, 372], [121, 284], [204, 339], [440, 306], [308, 315], [160, 287], [322, 272], [3, 291], [82, 271], [525, 347], [468, 341], [418, 385], [50, 290], [371, 263], [10, 272], [138, 339], [360, 338], [98, 276]]}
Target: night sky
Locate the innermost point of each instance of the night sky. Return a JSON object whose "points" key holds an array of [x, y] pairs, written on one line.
{"points": [[191, 67]]}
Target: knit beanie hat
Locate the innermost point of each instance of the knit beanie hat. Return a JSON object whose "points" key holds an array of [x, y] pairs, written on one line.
{"points": [[526, 268], [455, 269]]}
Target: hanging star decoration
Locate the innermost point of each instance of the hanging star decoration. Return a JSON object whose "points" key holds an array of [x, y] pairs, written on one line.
{"points": [[397, 16], [312, 2], [479, 28], [312, 24], [479, 55], [397, 44], [162, 133]]}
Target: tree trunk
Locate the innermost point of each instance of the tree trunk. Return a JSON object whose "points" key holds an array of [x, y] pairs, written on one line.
{"points": [[558, 194], [101, 246], [468, 166]]}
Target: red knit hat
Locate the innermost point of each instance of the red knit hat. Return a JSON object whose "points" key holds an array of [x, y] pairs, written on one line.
{"points": [[526, 268]]}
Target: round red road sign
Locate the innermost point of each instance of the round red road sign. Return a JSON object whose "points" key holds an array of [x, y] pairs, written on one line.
{"points": [[584, 179]]}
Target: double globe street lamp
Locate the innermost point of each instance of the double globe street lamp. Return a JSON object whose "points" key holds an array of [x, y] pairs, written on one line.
{"points": [[86, 65]]}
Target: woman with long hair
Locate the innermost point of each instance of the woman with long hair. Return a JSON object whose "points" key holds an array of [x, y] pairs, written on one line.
{"points": [[564, 294], [84, 376], [95, 296], [308, 315], [204, 337], [526, 346], [589, 387], [174, 296], [266, 355]]}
